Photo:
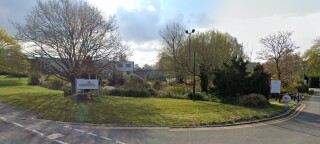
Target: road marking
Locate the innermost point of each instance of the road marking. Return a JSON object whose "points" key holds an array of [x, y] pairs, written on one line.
{"points": [[79, 130], [3, 118], [38, 132], [67, 126], [105, 138], [92, 134], [120, 142], [61, 142], [55, 136], [17, 124], [293, 115]]}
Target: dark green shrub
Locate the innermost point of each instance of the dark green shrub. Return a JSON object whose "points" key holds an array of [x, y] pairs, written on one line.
{"points": [[231, 80], [128, 92], [303, 88], [311, 92], [254, 101], [157, 85], [33, 78]]}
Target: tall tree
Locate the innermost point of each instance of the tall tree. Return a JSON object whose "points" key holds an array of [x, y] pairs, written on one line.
{"points": [[12, 59], [65, 32], [312, 56], [275, 47], [173, 37]]}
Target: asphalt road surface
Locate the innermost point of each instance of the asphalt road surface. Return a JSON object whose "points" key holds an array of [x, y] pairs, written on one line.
{"points": [[302, 127]]}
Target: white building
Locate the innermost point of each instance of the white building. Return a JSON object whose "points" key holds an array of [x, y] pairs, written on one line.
{"points": [[127, 67]]}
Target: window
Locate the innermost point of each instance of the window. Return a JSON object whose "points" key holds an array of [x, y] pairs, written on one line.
{"points": [[120, 65], [128, 65]]}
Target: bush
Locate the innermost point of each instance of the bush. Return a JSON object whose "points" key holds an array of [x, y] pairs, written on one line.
{"points": [[254, 101], [33, 78], [303, 88], [55, 83], [128, 92], [179, 91], [157, 85], [311, 92]]}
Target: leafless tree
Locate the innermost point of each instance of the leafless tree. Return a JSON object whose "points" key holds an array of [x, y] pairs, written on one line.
{"points": [[173, 37], [276, 47], [65, 32]]}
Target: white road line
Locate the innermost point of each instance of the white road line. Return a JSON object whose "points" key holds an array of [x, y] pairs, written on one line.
{"points": [[120, 142], [38, 132], [79, 130], [61, 142], [17, 124], [91, 134], [105, 138], [3, 118]]}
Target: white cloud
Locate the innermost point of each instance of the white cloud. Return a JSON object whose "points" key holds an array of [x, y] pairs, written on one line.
{"points": [[250, 30], [145, 52], [150, 8]]}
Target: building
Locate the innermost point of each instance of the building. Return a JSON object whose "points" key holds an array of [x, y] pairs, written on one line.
{"points": [[127, 67]]}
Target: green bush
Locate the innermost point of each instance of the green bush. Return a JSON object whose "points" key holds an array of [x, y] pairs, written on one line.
{"points": [[157, 85], [33, 78], [128, 92], [179, 91], [254, 101], [311, 92], [55, 83], [303, 88]]}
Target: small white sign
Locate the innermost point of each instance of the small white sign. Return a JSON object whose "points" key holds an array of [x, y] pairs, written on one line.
{"points": [[305, 82], [87, 83], [275, 86], [286, 98]]}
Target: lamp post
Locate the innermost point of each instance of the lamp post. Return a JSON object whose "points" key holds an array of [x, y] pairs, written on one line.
{"points": [[194, 64]]}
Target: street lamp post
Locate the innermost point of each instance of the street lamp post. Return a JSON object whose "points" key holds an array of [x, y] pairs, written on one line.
{"points": [[194, 64]]}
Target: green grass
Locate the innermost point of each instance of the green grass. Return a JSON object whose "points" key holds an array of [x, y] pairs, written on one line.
{"points": [[126, 110]]}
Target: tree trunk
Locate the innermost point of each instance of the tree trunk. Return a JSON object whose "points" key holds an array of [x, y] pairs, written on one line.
{"points": [[73, 85], [203, 79]]}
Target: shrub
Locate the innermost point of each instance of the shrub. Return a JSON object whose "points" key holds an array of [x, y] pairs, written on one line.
{"points": [[179, 91], [157, 85], [33, 78], [311, 92], [128, 92], [55, 83], [254, 101], [303, 88]]}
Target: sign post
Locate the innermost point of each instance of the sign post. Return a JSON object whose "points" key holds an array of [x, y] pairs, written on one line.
{"points": [[275, 87], [286, 98]]}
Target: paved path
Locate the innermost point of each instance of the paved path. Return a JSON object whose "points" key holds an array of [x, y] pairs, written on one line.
{"points": [[302, 129]]}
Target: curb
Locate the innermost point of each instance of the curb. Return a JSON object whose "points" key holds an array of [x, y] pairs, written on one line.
{"points": [[289, 111]]}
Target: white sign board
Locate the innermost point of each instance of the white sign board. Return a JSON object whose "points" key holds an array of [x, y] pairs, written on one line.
{"points": [[275, 86], [87, 83]]}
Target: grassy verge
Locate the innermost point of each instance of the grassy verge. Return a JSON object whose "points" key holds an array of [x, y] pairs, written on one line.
{"points": [[126, 110]]}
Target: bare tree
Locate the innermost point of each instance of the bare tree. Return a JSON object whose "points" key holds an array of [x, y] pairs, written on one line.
{"points": [[65, 32], [276, 47], [173, 37]]}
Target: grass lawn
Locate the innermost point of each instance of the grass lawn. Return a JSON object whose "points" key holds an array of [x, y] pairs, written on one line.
{"points": [[125, 110]]}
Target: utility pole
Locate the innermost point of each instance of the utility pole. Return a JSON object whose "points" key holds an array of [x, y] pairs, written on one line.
{"points": [[194, 64]]}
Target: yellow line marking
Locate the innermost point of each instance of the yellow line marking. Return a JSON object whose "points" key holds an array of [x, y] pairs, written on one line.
{"points": [[294, 114]]}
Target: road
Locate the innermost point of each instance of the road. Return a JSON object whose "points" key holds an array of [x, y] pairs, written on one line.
{"points": [[301, 129]]}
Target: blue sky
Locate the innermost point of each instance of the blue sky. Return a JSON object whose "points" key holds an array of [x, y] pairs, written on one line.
{"points": [[249, 20]]}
